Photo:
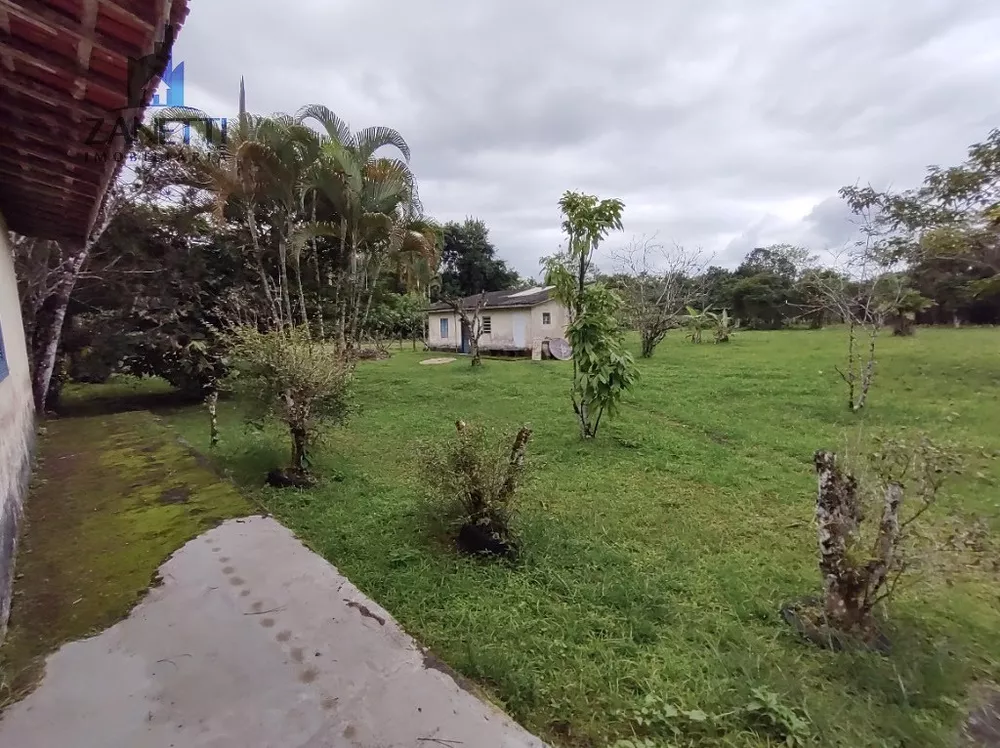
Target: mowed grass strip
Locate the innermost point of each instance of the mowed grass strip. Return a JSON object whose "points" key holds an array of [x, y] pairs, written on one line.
{"points": [[657, 557]]}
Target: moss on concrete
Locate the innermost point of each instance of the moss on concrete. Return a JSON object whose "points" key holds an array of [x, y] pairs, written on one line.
{"points": [[113, 496]]}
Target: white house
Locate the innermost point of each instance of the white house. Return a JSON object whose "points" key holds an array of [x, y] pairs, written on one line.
{"points": [[513, 322]]}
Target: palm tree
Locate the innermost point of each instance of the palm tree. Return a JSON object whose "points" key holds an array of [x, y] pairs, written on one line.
{"points": [[375, 202]]}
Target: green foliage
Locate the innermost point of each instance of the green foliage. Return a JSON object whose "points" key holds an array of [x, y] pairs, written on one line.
{"points": [[603, 371], [790, 725], [474, 478], [469, 264], [695, 321], [764, 715], [725, 325], [290, 377]]}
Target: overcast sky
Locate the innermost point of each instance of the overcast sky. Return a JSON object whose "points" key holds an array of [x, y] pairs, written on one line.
{"points": [[724, 124]]}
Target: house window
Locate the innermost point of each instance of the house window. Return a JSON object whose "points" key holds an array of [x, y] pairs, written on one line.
{"points": [[4, 371], [546, 318], [487, 325], [444, 328]]}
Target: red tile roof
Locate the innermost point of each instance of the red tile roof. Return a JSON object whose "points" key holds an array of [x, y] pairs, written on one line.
{"points": [[64, 67]]}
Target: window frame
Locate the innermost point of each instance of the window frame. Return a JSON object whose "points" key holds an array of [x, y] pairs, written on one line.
{"points": [[486, 325], [546, 318], [443, 328]]}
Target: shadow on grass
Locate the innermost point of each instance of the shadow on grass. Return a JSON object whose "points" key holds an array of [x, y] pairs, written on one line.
{"points": [[121, 395]]}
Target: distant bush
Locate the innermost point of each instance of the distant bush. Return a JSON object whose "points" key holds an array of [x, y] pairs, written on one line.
{"points": [[475, 478]]}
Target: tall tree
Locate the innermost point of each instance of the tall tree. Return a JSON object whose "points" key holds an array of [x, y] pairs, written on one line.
{"points": [[469, 264]]}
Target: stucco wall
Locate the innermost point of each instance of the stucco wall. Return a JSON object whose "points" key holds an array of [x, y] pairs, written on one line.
{"points": [[434, 339], [17, 424], [502, 324]]}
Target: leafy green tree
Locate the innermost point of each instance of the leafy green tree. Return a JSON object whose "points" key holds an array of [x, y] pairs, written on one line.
{"points": [[469, 264], [603, 371], [954, 215]]}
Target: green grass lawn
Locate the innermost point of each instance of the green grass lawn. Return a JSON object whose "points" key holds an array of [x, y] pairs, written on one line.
{"points": [[657, 557]]}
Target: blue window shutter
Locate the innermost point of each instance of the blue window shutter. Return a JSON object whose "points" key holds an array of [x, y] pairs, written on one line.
{"points": [[4, 371]]}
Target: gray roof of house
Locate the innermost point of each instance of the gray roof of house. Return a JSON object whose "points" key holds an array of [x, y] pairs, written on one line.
{"points": [[511, 299]]}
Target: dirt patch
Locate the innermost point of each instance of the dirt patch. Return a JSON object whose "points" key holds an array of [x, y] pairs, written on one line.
{"points": [[178, 495], [436, 361]]}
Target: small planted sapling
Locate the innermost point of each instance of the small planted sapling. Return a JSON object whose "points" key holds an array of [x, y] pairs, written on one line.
{"points": [[474, 480], [603, 371]]}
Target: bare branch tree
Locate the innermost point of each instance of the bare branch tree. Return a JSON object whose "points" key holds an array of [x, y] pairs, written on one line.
{"points": [[473, 322], [864, 293], [663, 282]]}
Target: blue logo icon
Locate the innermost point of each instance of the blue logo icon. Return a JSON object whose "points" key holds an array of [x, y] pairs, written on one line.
{"points": [[171, 90]]}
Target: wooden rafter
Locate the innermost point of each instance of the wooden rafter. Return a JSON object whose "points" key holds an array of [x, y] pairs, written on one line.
{"points": [[116, 11], [45, 168], [58, 59], [65, 195], [24, 52], [42, 16], [58, 100], [22, 149]]}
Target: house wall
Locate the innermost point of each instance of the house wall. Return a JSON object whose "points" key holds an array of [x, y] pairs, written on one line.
{"points": [[17, 423], [559, 319], [434, 339], [501, 335]]}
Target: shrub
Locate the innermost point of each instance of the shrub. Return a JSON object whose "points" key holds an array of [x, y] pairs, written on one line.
{"points": [[301, 382], [476, 476], [862, 562], [725, 325]]}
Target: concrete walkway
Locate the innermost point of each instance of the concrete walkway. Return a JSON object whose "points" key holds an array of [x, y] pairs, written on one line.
{"points": [[253, 641]]}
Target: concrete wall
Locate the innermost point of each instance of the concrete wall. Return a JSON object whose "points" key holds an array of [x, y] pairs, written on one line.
{"points": [[17, 424], [502, 324], [434, 339]]}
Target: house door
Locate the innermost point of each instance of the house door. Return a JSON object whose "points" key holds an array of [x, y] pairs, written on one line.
{"points": [[520, 330], [466, 345]]}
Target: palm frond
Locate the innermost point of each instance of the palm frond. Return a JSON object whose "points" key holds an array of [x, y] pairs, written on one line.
{"points": [[335, 127], [371, 139]]}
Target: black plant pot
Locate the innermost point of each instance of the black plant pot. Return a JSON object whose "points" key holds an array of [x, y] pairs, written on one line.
{"points": [[288, 478], [476, 539], [826, 636]]}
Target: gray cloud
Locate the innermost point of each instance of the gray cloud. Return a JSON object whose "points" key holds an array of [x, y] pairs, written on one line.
{"points": [[723, 125]]}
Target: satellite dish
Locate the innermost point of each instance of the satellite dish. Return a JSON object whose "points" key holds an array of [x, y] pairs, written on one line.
{"points": [[560, 349]]}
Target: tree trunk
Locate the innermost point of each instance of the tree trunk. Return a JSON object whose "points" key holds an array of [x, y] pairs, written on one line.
{"points": [[838, 513], [212, 402], [299, 440], [868, 375], [648, 345], [283, 286], [258, 254], [885, 545], [303, 312], [48, 328]]}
